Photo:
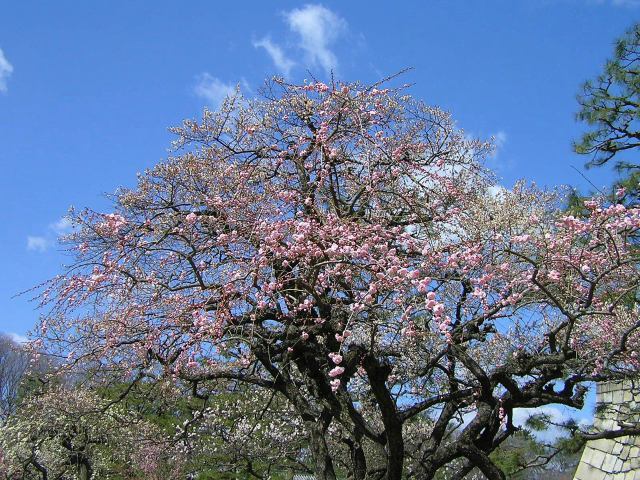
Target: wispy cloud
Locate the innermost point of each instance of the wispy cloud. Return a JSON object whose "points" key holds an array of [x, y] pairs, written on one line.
{"points": [[280, 59], [497, 191], [6, 69], [37, 244], [612, 3], [42, 243], [499, 141], [557, 415], [16, 337], [62, 226], [498, 161], [318, 28], [212, 89], [624, 3]]}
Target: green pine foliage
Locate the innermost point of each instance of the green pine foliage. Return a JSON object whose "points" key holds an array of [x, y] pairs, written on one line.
{"points": [[610, 103]]}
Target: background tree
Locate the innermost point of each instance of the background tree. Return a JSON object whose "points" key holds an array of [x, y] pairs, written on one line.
{"points": [[13, 367], [610, 105], [339, 246], [72, 433], [59, 429]]}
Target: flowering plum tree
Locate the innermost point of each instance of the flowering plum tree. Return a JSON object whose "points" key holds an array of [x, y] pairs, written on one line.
{"points": [[241, 432], [73, 433], [342, 246]]}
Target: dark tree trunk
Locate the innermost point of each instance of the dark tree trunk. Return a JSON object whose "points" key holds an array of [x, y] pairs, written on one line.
{"points": [[481, 460], [323, 465], [378, 375], [358, 459], [359, 463]]}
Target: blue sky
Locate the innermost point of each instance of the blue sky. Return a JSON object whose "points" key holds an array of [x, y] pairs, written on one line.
{"points": [[88, 89]]}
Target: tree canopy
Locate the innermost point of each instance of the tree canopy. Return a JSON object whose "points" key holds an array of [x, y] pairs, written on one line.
{"points": [[341, 249]]}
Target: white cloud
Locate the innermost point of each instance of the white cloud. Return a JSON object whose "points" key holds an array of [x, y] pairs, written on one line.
{"points": [[497, 160], [280, 59], [16, 337], [497, 191], [6, 69], [613, 3], [212, 89], [63, 226], [499, 141], [626, 3], [556, 414], [318, 28], [42, 243], [37, 244]]}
